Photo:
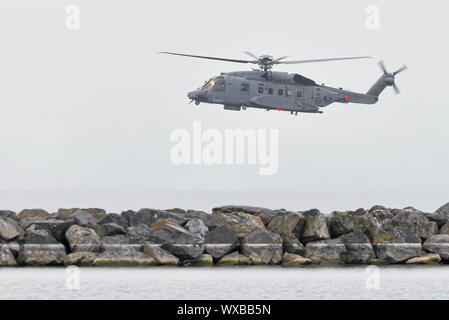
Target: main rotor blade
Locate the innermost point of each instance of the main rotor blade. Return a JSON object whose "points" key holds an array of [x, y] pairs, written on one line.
{"points": [[281, 58], [323, 60], [206, 57], [252, 55]]}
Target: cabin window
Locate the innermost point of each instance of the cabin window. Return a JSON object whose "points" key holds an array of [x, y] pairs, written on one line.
{"points": [[288, 92], [280, 92], [260, 89], [244, 87], [299, 94], [270, 90]]}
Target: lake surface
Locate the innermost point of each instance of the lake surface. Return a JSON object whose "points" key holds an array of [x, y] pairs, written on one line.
{"points": [[391, 282]]}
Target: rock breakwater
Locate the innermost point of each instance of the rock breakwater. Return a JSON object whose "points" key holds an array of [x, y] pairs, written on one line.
{"points": [[226, 236]]}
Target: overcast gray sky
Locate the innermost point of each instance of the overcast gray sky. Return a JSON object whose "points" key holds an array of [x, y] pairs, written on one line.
{"points": [[86, 114]]}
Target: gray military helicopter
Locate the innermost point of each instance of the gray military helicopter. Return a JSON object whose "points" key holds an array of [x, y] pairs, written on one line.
{"points": [[281, 91]]}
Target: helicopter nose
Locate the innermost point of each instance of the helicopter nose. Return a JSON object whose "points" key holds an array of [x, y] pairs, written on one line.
{"points": [[192, 95]]}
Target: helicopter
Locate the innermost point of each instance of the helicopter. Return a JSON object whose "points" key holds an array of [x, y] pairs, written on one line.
{"points": [[271, 90]]}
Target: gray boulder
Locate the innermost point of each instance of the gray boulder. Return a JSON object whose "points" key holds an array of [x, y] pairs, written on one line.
{"points": [[347, 221], [205, 260], [358, 247], [109, 229], [233, 259], [124, 256], [221, 240], [380, 213], [85, 219], [61, 214], [8, 230], [444, 228], [444, 209], [315, 227], [430, 258], [83, 239], [151, 216], [16, 224], [126, 216], [244, 209], [197, 226], [292, 245], [32, 213], [97, 213], [243, 223], [377, 207], [263, 213], [438, 244], [8, 214], [6, 257], [413, 220], [80, 258], [439, 218], [194, 214], [55, 227], [13, 246], [38, 235], [262, 247], [286, 223], [66, 214], [396, 245], [141, 231], [119, 241], [326, 251], [161, 256], [34, 254], [113, 218], [294, 260], [178, 241], [177, 211]]}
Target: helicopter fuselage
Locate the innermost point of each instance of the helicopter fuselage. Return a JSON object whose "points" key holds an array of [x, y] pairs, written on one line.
{"points": [[273, 91]]}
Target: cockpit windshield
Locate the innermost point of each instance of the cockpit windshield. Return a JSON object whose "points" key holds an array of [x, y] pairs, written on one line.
{"points": [[216, 84], [209, 84]]}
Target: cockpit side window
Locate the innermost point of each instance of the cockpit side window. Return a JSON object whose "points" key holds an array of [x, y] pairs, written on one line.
{"points": [[219, 85]]}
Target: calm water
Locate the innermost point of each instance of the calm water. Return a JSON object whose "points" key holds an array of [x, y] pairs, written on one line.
{"points": [[399, 282]]}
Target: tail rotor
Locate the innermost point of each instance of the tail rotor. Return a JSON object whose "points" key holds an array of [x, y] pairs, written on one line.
{"points": [[390, 77]]}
